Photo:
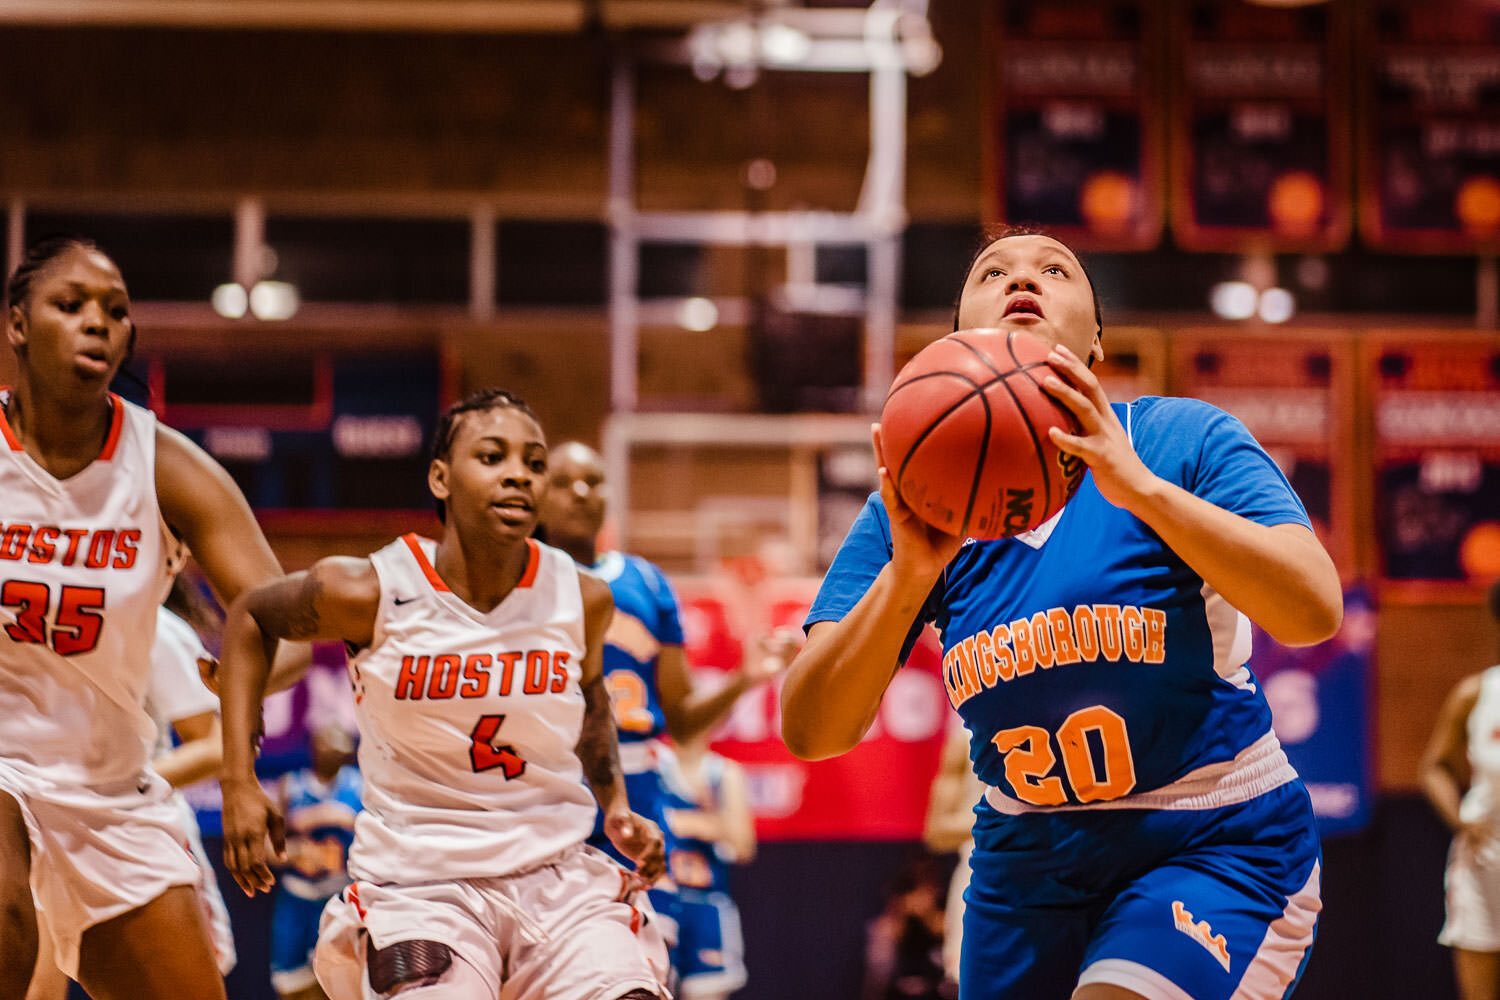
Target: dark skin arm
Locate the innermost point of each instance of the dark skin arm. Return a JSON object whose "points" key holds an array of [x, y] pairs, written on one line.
{"points": [[691, 712], [1445, 761], [337, 599], [598, 748], [205, 508]]}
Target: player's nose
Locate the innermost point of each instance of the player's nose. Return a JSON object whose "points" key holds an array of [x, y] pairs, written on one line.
{"points": [[1021, 281]]}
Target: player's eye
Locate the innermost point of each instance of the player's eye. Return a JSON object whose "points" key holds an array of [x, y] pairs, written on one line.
{"points": [[538, 465], [69, 305], [490, 457], [119, 312], [991, 272], [1055, 269]]}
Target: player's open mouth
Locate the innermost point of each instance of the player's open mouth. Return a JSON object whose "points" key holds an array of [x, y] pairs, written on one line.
{"points": [[1023, 305], [514, 508], [93, 360]]}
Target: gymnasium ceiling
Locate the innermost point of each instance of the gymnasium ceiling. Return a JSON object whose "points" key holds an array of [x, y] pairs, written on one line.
{"points": [[499, 16]]}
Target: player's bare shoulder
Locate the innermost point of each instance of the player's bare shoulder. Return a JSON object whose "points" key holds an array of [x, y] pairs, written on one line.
{"points": [[598, 599]]}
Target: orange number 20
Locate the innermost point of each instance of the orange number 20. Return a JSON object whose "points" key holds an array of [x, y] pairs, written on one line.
{"points": [[1028, 755]]}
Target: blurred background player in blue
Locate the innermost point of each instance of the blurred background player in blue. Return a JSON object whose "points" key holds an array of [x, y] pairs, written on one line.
{"points": [[320, 803], [644, 667], [708, 814]]}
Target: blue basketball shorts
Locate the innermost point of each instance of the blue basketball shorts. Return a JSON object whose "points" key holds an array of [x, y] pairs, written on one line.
{"points": [[1174, 905], [710, 952], [294, 935]]}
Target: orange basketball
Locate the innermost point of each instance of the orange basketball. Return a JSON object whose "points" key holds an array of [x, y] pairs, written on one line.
{"points": [[964, 435]]}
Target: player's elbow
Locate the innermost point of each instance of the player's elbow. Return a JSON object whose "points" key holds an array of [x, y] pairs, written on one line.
{"points": [[1312, 622], [809, 737]]}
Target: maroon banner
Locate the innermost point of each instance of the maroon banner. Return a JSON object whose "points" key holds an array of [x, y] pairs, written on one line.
{"points": [[1430, 167], [1259, 131], [1436, 403], [1072, 105], [877, 791], [1296, 395]]}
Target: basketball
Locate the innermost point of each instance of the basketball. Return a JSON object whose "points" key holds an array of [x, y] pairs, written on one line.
{"points": [[964, 435]]}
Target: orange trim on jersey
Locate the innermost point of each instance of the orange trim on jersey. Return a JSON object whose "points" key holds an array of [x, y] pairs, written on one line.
{"points": [[352, 893], [533, 563], [10, 435], [413, 543], [116, 421]]}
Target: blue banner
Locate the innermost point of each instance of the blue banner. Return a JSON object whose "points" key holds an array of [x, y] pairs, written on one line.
{"points": [[1321, 702]]}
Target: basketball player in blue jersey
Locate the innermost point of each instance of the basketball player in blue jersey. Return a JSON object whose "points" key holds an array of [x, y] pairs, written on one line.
{"points": [[1142, 834], [644, 666]]}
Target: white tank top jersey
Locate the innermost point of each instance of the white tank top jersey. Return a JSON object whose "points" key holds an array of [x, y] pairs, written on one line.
{"points": [[83, 566], [469, 723], [1482, 801]]}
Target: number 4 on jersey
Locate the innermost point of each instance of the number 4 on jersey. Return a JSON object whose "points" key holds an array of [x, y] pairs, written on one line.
{"points": [[486, 756]]}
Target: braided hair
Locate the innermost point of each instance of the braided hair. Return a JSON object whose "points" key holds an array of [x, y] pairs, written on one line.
{"points": [[481, 399]]}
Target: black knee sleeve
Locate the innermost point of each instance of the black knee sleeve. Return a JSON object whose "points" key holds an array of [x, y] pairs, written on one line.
{"points": [[406, 963]]}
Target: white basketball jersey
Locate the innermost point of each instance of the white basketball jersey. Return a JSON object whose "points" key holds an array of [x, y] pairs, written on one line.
{"points": [[83, 566], [1482, 801], [469, 723]]}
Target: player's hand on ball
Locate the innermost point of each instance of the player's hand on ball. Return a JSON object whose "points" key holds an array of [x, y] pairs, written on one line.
{"points": [[250, 820], [640, 840], [918, 550], [1118, 472]]}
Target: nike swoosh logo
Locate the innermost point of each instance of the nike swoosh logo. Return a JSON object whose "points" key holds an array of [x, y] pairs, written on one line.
{"points": [[405, 600]]}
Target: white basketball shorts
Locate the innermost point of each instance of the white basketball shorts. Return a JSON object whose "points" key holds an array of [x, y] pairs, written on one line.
{"points": [[573, 928]]}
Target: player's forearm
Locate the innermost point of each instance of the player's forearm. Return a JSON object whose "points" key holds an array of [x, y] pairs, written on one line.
{"points": [[1279, 576], [598, 748], [834, 684], [190, 762], [700, 711], [243, 670]]}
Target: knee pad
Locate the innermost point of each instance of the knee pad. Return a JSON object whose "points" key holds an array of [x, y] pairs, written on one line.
{"points": [[406, 964]]}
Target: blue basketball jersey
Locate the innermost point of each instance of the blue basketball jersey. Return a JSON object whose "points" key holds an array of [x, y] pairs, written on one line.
{"points": [[695, 865], [319, 829], [1088, 661], [646, 619]]}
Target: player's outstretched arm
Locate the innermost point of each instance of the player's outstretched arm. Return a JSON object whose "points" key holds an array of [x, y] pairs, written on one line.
{"points": [[598, 750], [692, 711], [1278, 575], [337, 599], [834, 685]]}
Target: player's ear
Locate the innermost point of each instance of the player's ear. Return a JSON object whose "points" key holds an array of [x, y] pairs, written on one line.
{"points": [[15, 329], [437, 479]]}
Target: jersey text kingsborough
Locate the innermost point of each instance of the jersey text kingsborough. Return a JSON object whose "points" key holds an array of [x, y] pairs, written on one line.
{"points": [[1054, 637]]}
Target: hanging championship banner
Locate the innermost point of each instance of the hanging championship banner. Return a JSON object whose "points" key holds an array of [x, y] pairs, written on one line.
{"points": [[1320, 704], [877, 791], [1296, 395], [1430, 167], [1259, 131], [1073, 110], [1436, 403]]}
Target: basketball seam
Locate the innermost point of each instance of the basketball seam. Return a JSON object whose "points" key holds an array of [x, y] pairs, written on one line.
{"points": [[973, 386], [984, 448], [1036, 442], [976, 390]]}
